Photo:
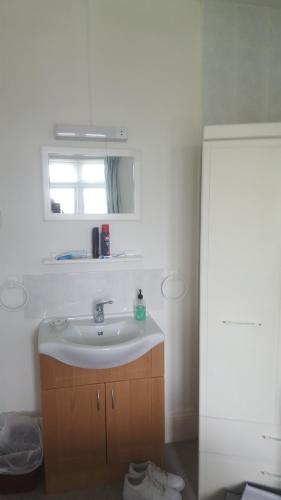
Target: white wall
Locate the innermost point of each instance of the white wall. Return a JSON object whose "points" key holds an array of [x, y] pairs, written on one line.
{"points": [[145, 74], [242, 53]]}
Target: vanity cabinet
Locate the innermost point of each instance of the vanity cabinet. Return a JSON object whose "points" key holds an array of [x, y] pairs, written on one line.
{"points": [[240, 331], [133, 413], [74, 427], [97, 421]]}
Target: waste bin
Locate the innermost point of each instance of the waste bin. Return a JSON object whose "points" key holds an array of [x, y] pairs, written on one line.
{"points": [[21, 453]]}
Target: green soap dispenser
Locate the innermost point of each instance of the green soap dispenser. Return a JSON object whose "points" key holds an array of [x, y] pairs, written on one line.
{"points": [[140, 307]]}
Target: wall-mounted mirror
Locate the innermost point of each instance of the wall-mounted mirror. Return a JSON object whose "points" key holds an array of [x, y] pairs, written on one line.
{"points": [[85, 184]]}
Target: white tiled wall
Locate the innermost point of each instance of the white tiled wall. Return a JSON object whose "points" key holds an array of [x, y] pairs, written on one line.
{"points": [[70, 294], [242, 61]]}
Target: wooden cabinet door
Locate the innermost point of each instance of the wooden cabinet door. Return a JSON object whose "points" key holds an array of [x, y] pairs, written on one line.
{"points": [[74, 428], [135, 423]]}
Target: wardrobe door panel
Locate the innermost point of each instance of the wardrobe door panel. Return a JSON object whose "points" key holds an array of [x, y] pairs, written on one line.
{"points": [[243, 280]]}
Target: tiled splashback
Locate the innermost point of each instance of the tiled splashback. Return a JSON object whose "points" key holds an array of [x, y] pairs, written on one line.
{"points": [[70, 294]]}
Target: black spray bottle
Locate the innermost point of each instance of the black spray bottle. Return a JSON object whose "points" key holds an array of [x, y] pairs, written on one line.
{"points": [[95, 243]]}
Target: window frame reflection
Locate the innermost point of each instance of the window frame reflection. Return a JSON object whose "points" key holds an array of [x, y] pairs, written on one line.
{"points": [[77, 186], [87, 155]]}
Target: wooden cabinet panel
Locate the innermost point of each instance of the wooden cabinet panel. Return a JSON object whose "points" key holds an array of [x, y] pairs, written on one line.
{"points": [[135, 427], [158, 419], [97, 421], [57, 374], [74, 428]]}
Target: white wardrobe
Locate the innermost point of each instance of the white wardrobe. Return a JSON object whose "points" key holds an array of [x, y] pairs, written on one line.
{"points": [[240, 333]]}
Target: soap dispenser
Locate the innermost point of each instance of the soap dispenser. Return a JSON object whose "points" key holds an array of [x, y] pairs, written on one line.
{"points": [[140, 307]]}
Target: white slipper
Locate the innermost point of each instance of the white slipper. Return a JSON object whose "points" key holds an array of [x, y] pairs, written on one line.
{"points": [[144, 487], [163, 477]]}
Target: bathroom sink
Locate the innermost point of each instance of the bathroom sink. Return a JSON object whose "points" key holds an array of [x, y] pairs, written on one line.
{"points": [[78, 341]]}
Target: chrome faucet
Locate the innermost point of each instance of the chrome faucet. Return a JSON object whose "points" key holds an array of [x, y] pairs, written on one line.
{"points": [[99, 310]]}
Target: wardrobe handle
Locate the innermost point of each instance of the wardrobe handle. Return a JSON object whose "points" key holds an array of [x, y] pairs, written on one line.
{"points": [[112, 399], [272, 438], [98, 400], [270, 474], [241, 323]]}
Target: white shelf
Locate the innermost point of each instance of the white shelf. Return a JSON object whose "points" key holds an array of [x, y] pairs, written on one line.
{"points": [[88, 260]]}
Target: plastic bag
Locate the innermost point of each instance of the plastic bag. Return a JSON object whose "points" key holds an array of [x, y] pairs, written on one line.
{"points": [[20, 443]]}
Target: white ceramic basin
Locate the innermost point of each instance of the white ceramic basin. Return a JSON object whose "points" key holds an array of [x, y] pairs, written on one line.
{"points": [[78, 341]]}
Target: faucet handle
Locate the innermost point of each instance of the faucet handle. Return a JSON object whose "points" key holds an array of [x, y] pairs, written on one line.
{"points": [[103, 302]]}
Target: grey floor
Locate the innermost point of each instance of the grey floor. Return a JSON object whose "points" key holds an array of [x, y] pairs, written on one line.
{"points": [[180, 458]]}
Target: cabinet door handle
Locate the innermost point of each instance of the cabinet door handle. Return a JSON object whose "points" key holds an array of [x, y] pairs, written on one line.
{"points": [[241, 323], [271, 474], [272, 438], [98, 400], [112, 399]]}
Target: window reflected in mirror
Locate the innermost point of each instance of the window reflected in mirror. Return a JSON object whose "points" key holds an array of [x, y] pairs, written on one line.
{"points": [[82, 185]]}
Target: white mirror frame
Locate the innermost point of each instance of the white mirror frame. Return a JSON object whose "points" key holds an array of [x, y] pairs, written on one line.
{"points": [[68, 151]]}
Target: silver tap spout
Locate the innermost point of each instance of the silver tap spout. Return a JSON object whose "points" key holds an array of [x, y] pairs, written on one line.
{"points": [[99, 310]]}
